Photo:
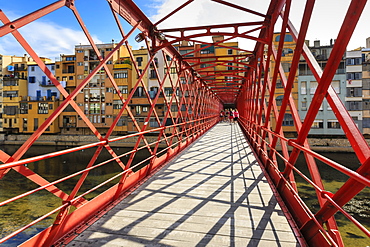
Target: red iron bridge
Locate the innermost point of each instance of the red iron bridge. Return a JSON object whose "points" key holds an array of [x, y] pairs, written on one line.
{"points": [[205, 181]]}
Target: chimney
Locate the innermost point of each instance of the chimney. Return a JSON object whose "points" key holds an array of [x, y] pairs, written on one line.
{"points": [[184, 43], [316, 43], [217, 38]]}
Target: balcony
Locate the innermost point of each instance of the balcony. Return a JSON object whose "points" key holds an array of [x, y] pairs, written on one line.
{"points": [[122, 66], [69, 125], [21, 68], [68, 71], [46, 84]]}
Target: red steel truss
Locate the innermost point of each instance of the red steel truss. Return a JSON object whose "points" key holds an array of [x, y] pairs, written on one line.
{"points": [[204, 84]]}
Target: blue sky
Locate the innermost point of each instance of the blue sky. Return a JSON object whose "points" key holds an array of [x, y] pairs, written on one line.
{"points": [[58, 32]]}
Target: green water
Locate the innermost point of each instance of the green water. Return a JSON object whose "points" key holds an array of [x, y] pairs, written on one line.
{"points": [[23, 211], [358, 207], [27, 209]]}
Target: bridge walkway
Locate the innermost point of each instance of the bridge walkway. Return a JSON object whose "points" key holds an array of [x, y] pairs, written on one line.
{"points": [[213, 194]]}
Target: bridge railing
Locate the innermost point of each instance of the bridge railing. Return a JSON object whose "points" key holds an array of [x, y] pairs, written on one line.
{"points": [[263, 120], [178, 109]]}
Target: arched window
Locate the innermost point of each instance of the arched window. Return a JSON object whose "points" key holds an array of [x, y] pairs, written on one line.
{"points": [[288, 120], [279, 100], [288, 38]]}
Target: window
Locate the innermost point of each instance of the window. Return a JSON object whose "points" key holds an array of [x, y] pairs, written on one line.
{"points": [[279, 100], [140, 72], [336, 86], [139, 92], [25, 124], [303, 87], [354, 76], [120, 74], [117, 104], [35, 123], [153, 75], [366, 122], [354, 61], [31, 79], [205, 52], [288, 120], [138, 110], [333, 124], [174, 108], [94, 108], [286, 67], [173, 70], [230, 66], [32, 68], [354, 105], [366, 104], [121, 121], [279, 84], [317, 124], [288, 38], [153, 123], [354, 92], [286, 51], [145, 108], [123, 89], [304, 106], [43, 108], [23, 108], [313, 86], [229, 51], [139, 60], [168, 91], [10, 110]]}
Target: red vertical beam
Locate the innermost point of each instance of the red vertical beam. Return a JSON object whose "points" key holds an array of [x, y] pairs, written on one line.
{"points": [[350, 188]]}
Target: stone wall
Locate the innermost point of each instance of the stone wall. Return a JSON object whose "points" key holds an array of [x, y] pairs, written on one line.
{"points": [[71, 140], [325, 144]]}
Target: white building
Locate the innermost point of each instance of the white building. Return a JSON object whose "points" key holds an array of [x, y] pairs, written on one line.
{"points": [[353, 99], [39, 85]]}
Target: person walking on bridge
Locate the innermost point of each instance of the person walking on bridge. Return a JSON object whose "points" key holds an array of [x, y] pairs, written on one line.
{"points": [[236, 115]]}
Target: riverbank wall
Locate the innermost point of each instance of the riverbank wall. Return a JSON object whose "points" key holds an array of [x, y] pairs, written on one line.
{"points": [[73, 140], [316, 144]]}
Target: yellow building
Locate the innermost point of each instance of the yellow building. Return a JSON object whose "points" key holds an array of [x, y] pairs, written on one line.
{"points": [[96, 98], [65, 72], [122, 73], [7, 71], [34, 113], [286, 61], [14, 90]]}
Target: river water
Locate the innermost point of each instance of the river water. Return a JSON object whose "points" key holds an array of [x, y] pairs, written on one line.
{"points": [[25, 210]]}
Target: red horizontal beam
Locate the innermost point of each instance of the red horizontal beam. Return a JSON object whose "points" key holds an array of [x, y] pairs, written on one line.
{"points": [[182, 29]]}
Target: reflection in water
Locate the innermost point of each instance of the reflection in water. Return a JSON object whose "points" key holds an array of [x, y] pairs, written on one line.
{"points": [[23, 211], [358, 207]]}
